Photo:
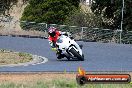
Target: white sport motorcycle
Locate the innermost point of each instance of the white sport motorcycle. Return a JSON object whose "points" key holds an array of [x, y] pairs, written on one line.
{"points": [[69, 48]]}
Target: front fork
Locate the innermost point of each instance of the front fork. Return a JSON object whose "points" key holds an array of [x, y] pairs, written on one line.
{"points": [[72, 46]]}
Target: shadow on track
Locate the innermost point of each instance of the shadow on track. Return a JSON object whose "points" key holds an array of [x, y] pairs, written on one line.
{"points": [[68, 60]]}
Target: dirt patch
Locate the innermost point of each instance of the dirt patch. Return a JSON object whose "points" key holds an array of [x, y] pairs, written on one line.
{"points": [[33, 78], [23, 32]]}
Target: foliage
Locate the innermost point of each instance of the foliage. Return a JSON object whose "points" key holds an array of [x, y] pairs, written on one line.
{"points": [[74, 2], [110, 11], [49, 11], [5, 5], [82, 19]]}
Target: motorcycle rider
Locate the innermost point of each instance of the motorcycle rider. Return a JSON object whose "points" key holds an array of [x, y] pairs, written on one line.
{"points": [[53, 36]]}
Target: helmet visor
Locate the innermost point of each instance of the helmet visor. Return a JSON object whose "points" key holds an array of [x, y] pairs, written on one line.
{"points": [[52, 34]]}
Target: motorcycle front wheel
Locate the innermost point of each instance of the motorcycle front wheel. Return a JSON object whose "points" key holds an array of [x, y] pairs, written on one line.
{"points": [[76, 54]]}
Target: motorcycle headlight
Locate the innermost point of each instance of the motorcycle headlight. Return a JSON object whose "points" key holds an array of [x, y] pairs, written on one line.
{"points": [[59, 41]]}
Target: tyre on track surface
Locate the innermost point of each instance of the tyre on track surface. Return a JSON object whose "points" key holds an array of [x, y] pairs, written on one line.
{"points": [[76, 54]]}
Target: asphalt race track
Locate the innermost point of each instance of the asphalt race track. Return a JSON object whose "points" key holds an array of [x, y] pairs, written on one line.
{"points": [[98, 56]]}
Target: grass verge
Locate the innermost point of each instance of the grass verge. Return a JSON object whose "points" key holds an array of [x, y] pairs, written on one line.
{"points": [[49, 81], [10, 57], [61, 83]]}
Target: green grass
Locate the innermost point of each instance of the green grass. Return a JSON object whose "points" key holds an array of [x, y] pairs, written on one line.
{"points": [[61, 84]]}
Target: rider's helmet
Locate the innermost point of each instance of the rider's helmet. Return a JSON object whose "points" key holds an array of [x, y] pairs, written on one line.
{"points": [[52, 31]]}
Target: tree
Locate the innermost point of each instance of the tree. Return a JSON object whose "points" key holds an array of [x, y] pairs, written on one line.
{"points": [[5, 5], [74, 2], [49, 11], [82, 19], [110, 10]]}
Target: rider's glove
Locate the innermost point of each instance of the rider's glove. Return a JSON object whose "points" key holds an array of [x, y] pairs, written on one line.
{"points": [[54, 49]]}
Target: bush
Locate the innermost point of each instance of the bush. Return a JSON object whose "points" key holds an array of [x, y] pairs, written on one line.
{"points": [[48, 11], [82, 19]]}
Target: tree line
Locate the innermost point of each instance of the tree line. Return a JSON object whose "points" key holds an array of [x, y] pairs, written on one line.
{"points": [[105, 13]]}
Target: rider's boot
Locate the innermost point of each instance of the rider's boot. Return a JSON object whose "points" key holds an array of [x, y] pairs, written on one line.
{"points": [[59, 55]]}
